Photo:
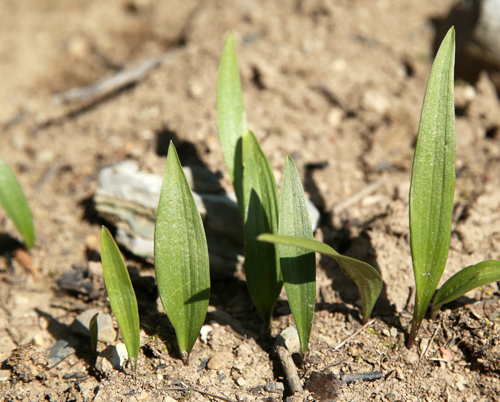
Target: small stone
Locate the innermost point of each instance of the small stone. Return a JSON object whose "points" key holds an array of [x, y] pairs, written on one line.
{"points": [[386, 332], [289, 338], [241, 382], [38, 340], [116, 355], [460, 383], [394, 332], [169, 399], [5, 375], [411, 358], [273, 386], [106, 332], [220, 360], [204, 332]]}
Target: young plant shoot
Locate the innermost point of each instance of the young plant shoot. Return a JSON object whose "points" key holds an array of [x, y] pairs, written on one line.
{"points": [[181, 256], [121, 294], [253, 182], [260, 195], [15, 205], [431, 196], [298, 266]]}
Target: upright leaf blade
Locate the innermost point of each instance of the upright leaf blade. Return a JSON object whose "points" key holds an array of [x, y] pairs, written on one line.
{"points": [[433, 181], [231, 117], [181, 256], [15, 205], [466, 280], [297, 265], [367, 279], [262, 265], [121, 294]]}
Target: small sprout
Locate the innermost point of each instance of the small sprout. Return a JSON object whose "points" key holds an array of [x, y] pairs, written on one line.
{"points": [[15, 205], [181, 256], [260, 194], [121, 294], [94, 333], [297, 265]]}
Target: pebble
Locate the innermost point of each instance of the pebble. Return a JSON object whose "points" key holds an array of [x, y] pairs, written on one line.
{"points": [[115, 355], [273, 386], [289, 338], [220, 360], [394, 332], [38, 340], [241, 382], [460, 383], [411, 358], [106, 331]]}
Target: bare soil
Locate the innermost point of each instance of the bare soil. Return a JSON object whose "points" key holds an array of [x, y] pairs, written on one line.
{"points": [[337, 82]]}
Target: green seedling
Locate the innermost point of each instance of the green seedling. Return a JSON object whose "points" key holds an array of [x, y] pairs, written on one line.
{"points": [[367, 279], [181, 256], [94, 333], [260, 200], [121, 294], [297, 265], [15, 205], [431, 195], [254, 185]]}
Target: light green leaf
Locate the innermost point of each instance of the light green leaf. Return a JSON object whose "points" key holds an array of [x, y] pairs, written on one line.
{"points": [[121, 294], [433, 181], [366, 277], [181, 256], [262, 265], [466, 280], [231, 118], [15, 205], [297, 265]]}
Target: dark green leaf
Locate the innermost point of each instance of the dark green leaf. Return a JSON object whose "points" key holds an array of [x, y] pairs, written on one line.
{"points": [[433, 180], [94, 333], [15, 205], [262, 265], [366, 277], [181, 256], [121, 294], [297, 265], [466, 280]]}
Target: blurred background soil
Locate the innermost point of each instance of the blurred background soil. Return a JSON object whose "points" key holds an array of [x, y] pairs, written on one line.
{"points": [[338, 86]]}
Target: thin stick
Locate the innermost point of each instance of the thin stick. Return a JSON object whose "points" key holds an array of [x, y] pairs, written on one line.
{"points": [[353, 199], [185, 387], [350, 337], [290, 370]]}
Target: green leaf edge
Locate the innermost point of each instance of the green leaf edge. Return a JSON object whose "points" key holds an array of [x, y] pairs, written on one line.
{"points": [[196, 250], [15, 205], [466, 280], [427, 275], [262, 265], [121, 294], [369, 290], [297, 265]]}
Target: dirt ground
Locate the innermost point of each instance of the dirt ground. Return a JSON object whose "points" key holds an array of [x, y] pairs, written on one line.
{"points": [[337, 85]]}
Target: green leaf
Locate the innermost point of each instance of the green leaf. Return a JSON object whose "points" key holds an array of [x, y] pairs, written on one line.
{"points": [[181, 256], [94, 333], [121, 294], [433, 181], [366, 277], [231, 118], [466, 280], [15, 205], [297, 265], [262, 266]]}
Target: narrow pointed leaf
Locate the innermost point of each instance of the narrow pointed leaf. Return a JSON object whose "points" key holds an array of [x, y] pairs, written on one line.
{"points": [[433, 180], [15, 205], [366, 277], [298, 266], [94, 333], [121, 294], [262, 267], [466, 280], [231, 118], [181, 256]]}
